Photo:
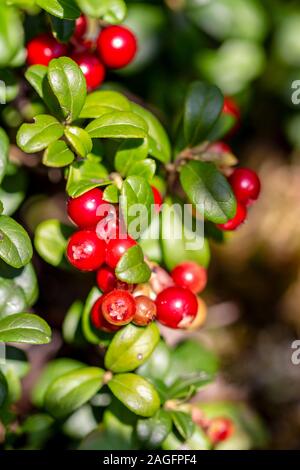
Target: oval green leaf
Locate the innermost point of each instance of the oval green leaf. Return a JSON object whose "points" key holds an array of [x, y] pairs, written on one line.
{"points": [[138, 395], [118, 124], [50, 241], [132, 268], [79, 140], [37, 136], [24, 328], [131, 347], [61, 8], [58, 155], [15, 244]]}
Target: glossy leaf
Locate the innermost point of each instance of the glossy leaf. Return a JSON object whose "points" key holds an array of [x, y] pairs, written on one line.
{"points": [[4, 150], [131, 347], [12, 298], [62, 29], [208, 188], [35, 74], [159, 144], [24, 328], [116, 11], [153, 431], [52, 371], [71, 328], [118, 124], [132, 268], [58, 155], [50, 240], [136, 204], [16, 178], [203, 106], [15, 244], [37, 136], [157, 365], [61, 8], [103, 102], [92, 334], [86, 175], [68, 85], [79, 140], [183, 423], [130, 152], [72, 390], [145, 168], [178, 242], [11, 34], [138, 395], [111, 194]]}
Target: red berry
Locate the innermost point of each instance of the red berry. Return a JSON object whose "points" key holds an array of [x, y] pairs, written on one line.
{"points": [[82, 210], [80, 27], [116, 249], [158, 200], [219, 147], [118, 307], [145, 310], [98, 319], [245, 184], [85, 251], [109, 226], [43, 48], [219, 429], [106, 279], [190, 275], [117, 46], [231, 107], [91, 67], [237, 220], [176, 307]]}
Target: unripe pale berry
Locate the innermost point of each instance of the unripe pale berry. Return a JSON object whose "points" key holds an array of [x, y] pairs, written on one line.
{"points": [[85, 251], [176, 307], [91, 67], [117, 46], [237, 220], [190, 275], [245, 184], [118, 307], [145, 310], [82, 210], [43, 48]]}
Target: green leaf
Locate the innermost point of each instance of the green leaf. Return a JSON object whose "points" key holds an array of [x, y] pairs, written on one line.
{"points": [[92, 334], [146, 169], [79, 140], [184, 423], [62, 30], [198, 441], [208, 188], [72, 390], [93, 8], [138, 395], [24, 328], [103, 102], [3, 389], [130, 152], [15, 359], [131, 347], [116, 11], [37, 136], [11, 34], [13, 188], [136, 204], [178, 242], [71, 328], [61, 8], [4, 150], [157, 365], [118, 124], [159, 144], [18, 284], [35, 75], [111, 194], [58, 155], [153, 431], [15, 244], [86, 175], [50, 240], [132, 268], [12, 298], [52, 371], [68, 85], [203, 106]]}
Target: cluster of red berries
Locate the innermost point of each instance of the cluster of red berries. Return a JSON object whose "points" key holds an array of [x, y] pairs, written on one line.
{"points": [[114, 48], [171, 299], [246, 187]]}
